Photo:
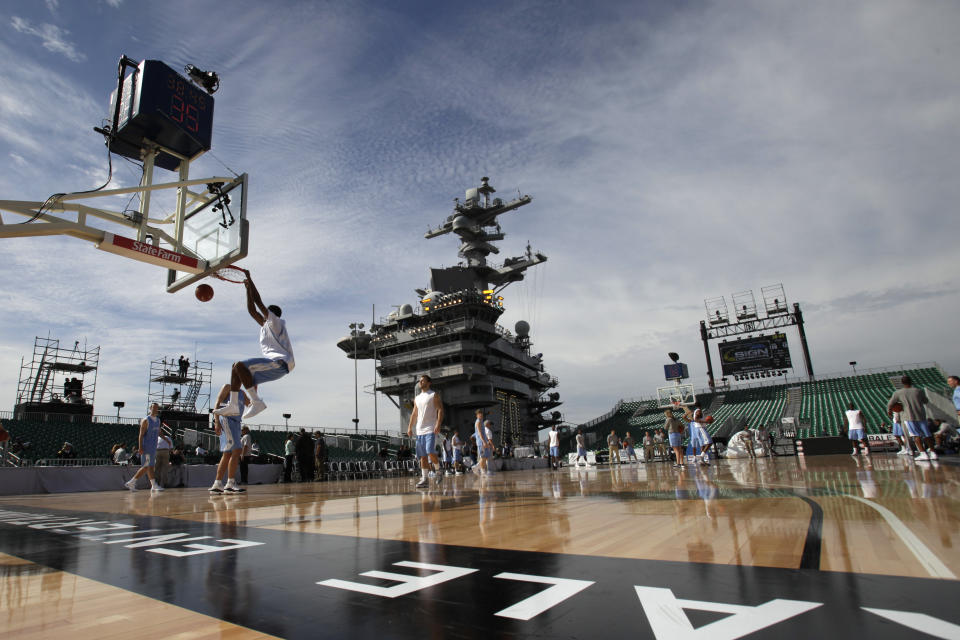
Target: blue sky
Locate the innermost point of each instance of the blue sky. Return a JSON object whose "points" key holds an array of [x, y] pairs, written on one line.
{"points": [[675, 152]]}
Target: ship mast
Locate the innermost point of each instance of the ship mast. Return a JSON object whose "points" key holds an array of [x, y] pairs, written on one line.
{"points": [[474, 221]]}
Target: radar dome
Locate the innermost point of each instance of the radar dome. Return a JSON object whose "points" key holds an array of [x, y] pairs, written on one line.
{"points": [[522, 328], [405, 311], [462, 222], [433, 296]]}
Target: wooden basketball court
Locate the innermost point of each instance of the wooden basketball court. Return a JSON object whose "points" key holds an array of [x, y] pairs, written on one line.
{"points": [[786, 547]]}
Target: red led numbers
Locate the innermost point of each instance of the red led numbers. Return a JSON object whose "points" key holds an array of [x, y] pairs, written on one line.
{"points": [[186, 114]]}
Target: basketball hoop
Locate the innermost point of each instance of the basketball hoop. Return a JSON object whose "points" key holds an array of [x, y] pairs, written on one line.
{"points": [[230, 274]]}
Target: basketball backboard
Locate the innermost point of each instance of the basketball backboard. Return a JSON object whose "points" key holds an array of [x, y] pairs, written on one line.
{"points": [[214, 230], [682, 393]]}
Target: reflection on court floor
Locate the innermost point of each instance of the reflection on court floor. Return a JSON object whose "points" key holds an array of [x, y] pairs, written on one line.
{"points": [[784, 546]]}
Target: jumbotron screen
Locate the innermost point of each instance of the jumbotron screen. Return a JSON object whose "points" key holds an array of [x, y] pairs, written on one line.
{"points": [[755, 354]]}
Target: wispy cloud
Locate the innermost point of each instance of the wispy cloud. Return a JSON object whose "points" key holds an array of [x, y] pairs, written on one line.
{"points": [[52, 37]]}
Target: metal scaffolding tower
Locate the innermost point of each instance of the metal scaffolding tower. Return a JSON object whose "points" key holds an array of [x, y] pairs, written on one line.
{"points": [[58, 376], [180, 385]]}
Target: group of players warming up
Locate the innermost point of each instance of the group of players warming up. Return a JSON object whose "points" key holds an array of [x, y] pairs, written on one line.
{"points": [[241, 397], [232, 401]]}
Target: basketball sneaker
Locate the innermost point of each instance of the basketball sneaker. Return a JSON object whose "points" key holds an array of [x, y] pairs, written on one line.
{"points": [[423, 484], [131, 484], [232, 488], [255, 408], [216, 488], [923, 456], [227, 410], [932, 454], [156, 487]]}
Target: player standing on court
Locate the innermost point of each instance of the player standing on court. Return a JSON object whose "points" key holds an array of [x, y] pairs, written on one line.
{"points": [[675, 435], [428, 416], [457, 445], [554, 447], [276, 363], [581, 449], [856, 429], [698, 434], [147, 446], [228, 428], [914, 416]]}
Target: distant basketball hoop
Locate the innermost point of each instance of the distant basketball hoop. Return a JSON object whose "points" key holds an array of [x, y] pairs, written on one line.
{"points": [[675, 396]]}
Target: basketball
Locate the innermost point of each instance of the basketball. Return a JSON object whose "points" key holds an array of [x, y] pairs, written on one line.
{"points": [[204, 292], [896, 407], [4, 435], [708, 419]]}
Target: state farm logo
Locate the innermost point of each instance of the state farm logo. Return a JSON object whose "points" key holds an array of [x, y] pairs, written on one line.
{"points": [[146, 252], [150, 250]]}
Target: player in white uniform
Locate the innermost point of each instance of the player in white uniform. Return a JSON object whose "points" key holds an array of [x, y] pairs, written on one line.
{"points": [[277, 351], [149, 433], [457, 445], [856, 429], [488, 448], [447, 456], [897, 429], [428, 416], [699, 437], [228, 428], [554, 447]]}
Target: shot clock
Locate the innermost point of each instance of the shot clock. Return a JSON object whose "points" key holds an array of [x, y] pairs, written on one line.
{"points": [[160, 106]]}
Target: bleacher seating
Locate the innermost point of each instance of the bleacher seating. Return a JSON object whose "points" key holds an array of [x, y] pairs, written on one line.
{"points": [[822, 405], [759, 406], [824, 401], [89, 440]]}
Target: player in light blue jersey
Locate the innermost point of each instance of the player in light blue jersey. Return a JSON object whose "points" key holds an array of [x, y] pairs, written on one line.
{"points": [[147, 446], [228, 428]]}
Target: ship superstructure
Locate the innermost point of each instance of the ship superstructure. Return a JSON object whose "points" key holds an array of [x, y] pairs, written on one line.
{"points": [[453, 335]]}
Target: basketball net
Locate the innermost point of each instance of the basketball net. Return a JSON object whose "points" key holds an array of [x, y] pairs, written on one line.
{"points": [[230, 274]]}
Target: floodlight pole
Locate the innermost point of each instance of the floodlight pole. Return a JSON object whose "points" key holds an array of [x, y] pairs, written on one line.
{"points": [[706, 348], [798, 318], [355, 328], [373, 320]]}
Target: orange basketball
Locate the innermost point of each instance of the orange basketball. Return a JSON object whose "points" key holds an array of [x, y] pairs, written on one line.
{"points": [[4, 435], [896, 407], [708, 419], [204, 292]]}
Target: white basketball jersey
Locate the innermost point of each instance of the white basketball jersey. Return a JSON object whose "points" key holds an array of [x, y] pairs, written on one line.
{"points": [[275, 342], [426, 412], [854, 419]]}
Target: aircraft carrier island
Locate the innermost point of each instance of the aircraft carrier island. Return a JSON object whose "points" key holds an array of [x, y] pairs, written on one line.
{"points": [[453, 334]]}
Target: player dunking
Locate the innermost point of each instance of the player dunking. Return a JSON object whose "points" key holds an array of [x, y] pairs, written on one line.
{"points": [[276, 363]]}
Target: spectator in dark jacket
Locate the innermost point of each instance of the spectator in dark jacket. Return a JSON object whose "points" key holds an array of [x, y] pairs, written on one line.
{"points": [[305, 456]]}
